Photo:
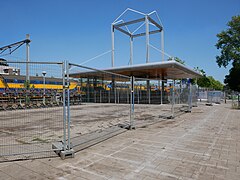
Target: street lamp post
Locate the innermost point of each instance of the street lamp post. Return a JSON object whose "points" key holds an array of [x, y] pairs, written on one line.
{"points": [[44, 74]]}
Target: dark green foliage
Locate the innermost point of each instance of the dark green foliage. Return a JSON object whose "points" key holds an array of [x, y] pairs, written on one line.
{"points": [[27, 84], [204, 82], [210, 82], [229, 43], [215, 84], [177, 59], [207, 81], [233, 79], [200, 71]]}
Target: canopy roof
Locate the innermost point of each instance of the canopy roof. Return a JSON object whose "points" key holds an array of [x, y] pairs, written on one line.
{"points": [[157, 70]]}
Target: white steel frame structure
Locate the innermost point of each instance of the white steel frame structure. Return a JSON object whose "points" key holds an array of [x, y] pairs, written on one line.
{"points": [[147, 20]]}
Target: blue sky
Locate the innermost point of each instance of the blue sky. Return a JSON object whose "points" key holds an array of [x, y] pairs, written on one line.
{"points": [[79, 30]]}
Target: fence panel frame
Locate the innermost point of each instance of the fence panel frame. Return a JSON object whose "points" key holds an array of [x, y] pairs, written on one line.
{"points": [[61, 145]]}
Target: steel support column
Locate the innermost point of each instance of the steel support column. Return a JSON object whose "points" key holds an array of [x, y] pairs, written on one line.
{"points": [[162, 88], [27, 58], [64, 108], [132, 126], [159, 91], [131, 50], [173, 99], [162, 44], [112, 30], [190, 97], [88, 90], [68, 104], [138, 94], [114, 90], [147, 38], [149, 91], [127, 96], [109, 96]]}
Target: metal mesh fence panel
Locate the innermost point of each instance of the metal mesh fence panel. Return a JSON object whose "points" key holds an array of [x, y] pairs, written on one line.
{"points": [[202, 94], [181, 99], [103, 106], [151, 103], [235, 98], [194, 96], [31, 110], [214, 96]]}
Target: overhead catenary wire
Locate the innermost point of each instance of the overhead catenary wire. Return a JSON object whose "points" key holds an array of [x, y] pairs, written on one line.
{"points": [[161, 51], [100, 55]]}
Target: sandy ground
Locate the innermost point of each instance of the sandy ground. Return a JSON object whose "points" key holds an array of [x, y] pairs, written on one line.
{"points": [[36, 129], [46, 124], [204, 144]]}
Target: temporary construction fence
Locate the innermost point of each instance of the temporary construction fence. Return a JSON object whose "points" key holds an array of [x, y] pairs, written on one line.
{"points": [[36, 101], [214, 96], [51, 108], [161, 102], [210, 95], [235, 97], [33, 113], [183, 99], [105, 106]]}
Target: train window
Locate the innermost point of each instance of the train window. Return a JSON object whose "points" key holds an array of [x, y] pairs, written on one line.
{"points": [[9, 80], [5, 70]]}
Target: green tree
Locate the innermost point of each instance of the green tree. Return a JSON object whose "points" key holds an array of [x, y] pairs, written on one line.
{"points": [[207, 81], [215, 84], [204, 82], [233, 79], [177, 59], [33, 86], [229, 43], [200, 71], [27, 84]]}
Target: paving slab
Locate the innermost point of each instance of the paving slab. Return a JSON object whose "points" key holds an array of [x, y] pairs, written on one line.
{"points": [[204, 144]]}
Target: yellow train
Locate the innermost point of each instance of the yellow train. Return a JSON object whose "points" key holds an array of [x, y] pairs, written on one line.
{"points": [[18, 82], [15, 82]]}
